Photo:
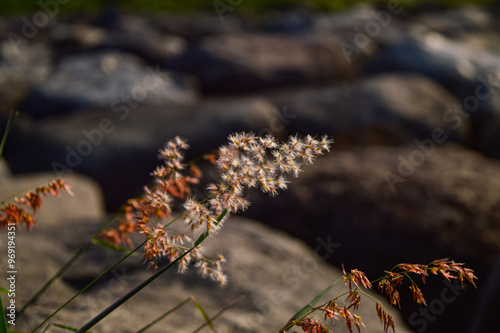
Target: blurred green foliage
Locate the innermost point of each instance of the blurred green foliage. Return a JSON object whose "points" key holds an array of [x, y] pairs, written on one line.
{"points": [[190, 6]]}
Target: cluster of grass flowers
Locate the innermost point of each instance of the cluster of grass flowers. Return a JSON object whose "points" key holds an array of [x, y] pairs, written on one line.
{"points": [[14, 214], [355, 280], [245, 162]]}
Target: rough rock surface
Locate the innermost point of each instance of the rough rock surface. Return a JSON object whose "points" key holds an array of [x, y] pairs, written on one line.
{"points": [[249, 62], [387, 109], [21, 66], [468, 69], [107, 79], [119, 147], [387, 205], [459, 21]]}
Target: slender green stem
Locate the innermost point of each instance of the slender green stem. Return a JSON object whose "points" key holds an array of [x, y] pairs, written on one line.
{"points": [[218, 314], [55, 277], [69, 263], [10, 123], [109, 269], [309, 308], [66, 327], [203, 314], [63, 269], [157, 320], [75, 256], [129, 295], [146, 282]]}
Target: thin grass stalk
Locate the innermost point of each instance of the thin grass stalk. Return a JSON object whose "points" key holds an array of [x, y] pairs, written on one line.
{"points": [[204, 314], [218, 314], [146, 282], [157, 320], [63, 269], [10, 123], [73, 259], [109, 269], [129, 295], [66, 327], [3, 318], [308, 309]]}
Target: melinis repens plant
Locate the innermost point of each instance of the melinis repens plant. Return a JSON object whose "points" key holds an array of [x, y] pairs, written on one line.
{"points": [[245, 162], [14, 215], [389, 284]]}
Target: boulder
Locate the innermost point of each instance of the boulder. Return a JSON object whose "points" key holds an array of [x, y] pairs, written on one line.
{"points": [[387, 205], [457, 21], [274, 273], [140, 35], [383, 109], [69, 38], [362, 26], [363, 29], [196, 26], [85, 204], [118, 147], [468, 68], [488, 139], [22, 65], [4, 170], [106, 79], [232, 63]]}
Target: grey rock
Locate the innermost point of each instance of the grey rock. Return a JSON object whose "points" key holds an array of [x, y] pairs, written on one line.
{"points": [[277, 275], [378, 26], [105, 79], [4, 170], [363, 28], [458, 21], [196, 26], [387, 205], [249, 62], [140, 35], [67, 38], [118, 147], [21, 66], [466, 69], [384, 109], [438, 57]]}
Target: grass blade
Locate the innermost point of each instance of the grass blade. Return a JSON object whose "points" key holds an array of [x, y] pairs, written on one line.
{"points": [[109, 269], [3, 319], [204, 314], [69, 328], [142, 285], [157, 320], [218, 314], [10, 123], [308, 308], [114, 247]]}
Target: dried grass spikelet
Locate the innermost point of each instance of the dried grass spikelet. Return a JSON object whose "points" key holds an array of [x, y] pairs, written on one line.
{"points": [[14, 214]]}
